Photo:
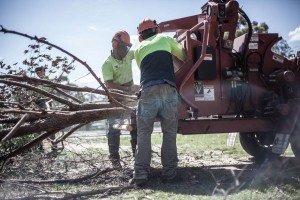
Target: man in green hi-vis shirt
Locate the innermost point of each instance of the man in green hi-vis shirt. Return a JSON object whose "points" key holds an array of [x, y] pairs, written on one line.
{"points": [[158, 100], [117, 74]]}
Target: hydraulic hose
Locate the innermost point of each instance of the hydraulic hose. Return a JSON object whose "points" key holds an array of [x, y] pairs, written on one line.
{"points": [[249, 35]]}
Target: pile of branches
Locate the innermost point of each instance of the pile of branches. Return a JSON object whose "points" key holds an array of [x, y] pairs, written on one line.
{"points": [[70, 174], [21, 91]]}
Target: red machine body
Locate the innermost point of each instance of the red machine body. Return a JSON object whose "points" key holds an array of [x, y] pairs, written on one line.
{"points": [[231, 84]]}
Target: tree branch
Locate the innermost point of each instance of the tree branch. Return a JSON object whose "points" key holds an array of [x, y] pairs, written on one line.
{"points": [[67, 95], [51, 84], [43, 92], [61, 181], [77, 195], [28, 145], [62, 138], [54, 120], [15, 128], [43, 40]]}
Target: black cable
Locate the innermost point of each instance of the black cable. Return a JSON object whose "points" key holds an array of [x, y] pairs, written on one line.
{"points": [[238, 94], [249, 35]]}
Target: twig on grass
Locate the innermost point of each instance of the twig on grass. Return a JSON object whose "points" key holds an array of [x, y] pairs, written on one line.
{"points": [[61, 181], [105, 191], [68, 195]]}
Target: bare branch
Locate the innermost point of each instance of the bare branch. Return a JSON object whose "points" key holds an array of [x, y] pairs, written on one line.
{"points": [[99, 191], [43, 40], [54, 120], [15, 128], [43, 92], [77, 195], [28, 145], [67, 95], [62, 138], [51, 84], [61, 181]]}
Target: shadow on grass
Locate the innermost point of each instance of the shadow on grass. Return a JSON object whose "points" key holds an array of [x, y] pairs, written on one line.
{"points": [[228, 179]]}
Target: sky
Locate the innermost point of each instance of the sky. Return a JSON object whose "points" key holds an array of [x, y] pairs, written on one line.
{"points": [[85, 27]]}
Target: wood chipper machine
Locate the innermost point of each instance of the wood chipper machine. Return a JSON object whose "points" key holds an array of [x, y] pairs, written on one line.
{"points": [[236, 84]]}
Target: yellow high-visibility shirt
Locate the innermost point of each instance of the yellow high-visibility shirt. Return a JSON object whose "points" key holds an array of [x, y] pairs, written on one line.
{"points": [[118, 71]]}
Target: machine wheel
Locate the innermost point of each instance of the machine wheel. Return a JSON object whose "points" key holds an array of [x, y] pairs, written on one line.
{"points": [[295, 142], [258, 144]]}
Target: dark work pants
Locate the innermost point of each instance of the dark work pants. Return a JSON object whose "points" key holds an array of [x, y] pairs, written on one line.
{"points": [[113, 137]]}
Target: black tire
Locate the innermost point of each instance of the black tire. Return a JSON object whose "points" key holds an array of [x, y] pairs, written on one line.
{"points": [[258, 144], [295, 142]]}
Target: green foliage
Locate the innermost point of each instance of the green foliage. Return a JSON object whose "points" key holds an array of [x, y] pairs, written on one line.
{"points": [[39, 55], [14, 143], [282, 48], [242, 27]]}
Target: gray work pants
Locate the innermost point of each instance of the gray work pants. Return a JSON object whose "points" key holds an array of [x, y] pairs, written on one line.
{"points": [[161, 102]]}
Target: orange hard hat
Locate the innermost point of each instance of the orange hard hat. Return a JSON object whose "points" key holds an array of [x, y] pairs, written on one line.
{"points": [[121, 36], [146, 24]]}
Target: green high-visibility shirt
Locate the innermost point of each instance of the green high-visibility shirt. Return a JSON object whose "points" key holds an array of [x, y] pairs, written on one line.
{"points": [[118, 71], [154, 58], [158, 42]]}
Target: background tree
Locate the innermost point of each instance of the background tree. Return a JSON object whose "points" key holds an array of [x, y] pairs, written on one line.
{"points": [[281, 47], [242, 27]]}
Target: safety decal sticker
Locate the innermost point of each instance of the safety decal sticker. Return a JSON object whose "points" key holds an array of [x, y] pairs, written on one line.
{"points": [[253, 45], [254, 38], [278, 58], [208, 57], [204, 92]]}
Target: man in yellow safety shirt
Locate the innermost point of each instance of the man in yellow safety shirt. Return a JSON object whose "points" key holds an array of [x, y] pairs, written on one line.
{"points": [[158, 100], [117, 74]]}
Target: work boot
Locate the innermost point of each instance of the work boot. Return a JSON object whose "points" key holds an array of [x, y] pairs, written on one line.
{"points": [[115, 160], [133, 141]]}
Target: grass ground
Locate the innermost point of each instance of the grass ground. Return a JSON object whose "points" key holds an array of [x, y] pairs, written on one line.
{"points": [[212, 170], [208, 167]]}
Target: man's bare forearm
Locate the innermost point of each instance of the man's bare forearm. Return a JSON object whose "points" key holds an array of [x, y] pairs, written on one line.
{"points": [[112, 85]]}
